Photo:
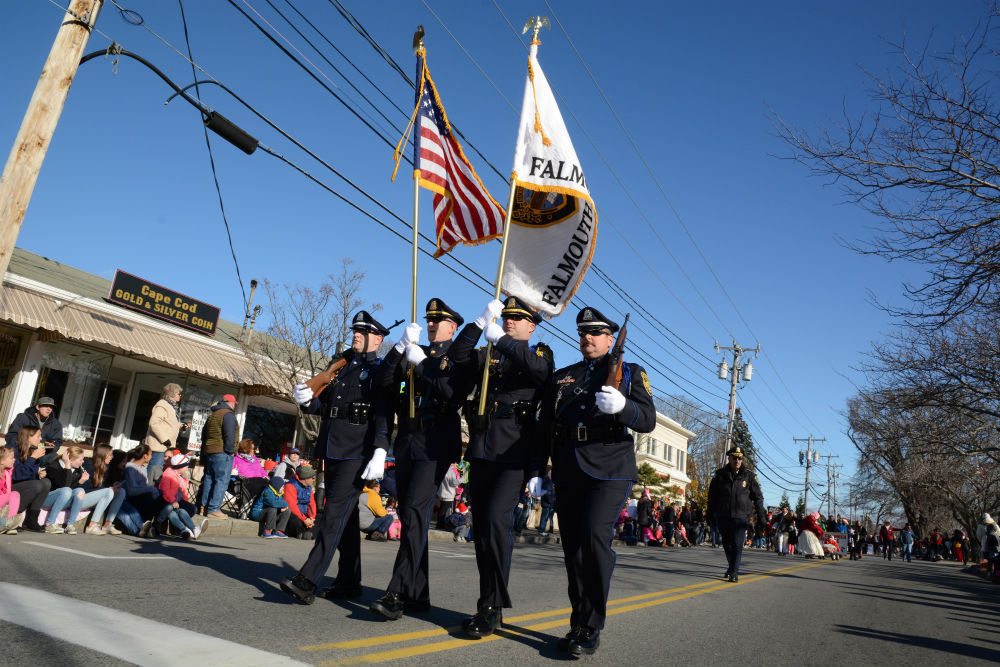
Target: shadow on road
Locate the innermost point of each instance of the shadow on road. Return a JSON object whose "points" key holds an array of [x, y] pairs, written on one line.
{"points": [[929, 643]]}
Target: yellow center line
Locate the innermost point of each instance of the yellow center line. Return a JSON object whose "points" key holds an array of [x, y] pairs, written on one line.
{"points": [[441, 632], [648, 600]]}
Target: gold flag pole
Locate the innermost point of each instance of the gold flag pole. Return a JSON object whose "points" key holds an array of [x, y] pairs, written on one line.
{"points": [[418, 46], [535, 24]]}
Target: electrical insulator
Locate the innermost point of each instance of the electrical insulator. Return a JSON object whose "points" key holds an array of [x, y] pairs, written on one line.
{"points": [[815, 457], [802, 457], [747, 371], [723, 370]]}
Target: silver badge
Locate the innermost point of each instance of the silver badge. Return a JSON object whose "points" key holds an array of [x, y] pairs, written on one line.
{"points": [[364, 374]]}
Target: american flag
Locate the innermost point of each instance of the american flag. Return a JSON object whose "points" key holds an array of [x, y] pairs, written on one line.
{"points": [[463, 209]]}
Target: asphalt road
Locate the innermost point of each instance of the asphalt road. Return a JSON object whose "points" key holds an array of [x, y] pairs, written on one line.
{"points": [[88, 600]]}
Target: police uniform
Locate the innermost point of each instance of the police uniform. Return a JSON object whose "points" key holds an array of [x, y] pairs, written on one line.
{"points": [[593, 467], [732, 496], [505, 449], [424, 448], [347, 439]]}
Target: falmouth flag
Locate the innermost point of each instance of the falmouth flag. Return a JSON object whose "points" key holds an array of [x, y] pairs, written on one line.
{"points": [[464, 211], [552, 239]]}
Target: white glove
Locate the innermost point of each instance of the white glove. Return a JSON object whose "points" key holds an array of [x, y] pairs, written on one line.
{"points": [[302, 394], [490, 313], [609, 400], [415, 354], [411, 334], [535, 486], [376, 466], [493, 332]]}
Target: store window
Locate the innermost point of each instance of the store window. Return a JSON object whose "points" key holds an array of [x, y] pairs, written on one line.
{"points": [[76, 379], [198, 395], [11, 351], [270, 430]]}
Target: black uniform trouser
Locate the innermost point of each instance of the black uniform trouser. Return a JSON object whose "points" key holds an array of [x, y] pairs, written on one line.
{"points": [[588, 509], [494, 490], [734, 536], [417, 483], [339, 528]]}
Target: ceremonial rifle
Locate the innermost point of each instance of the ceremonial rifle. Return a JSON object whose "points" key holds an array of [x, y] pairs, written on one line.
{"points": [[319, 382], [616, 356]]}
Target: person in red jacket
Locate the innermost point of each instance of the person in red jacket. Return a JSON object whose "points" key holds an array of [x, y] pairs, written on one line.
{"points": [[301, 502], [885, 533]]}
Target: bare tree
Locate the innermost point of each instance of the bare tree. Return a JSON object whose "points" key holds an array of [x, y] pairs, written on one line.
{"points": [[926, 160], [704, 449]]}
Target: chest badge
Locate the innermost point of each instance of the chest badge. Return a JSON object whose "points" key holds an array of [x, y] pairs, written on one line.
{"points": [[744, 482], [364, 374], [444, 363]]}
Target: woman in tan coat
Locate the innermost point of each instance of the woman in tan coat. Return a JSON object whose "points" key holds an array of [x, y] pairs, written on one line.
{"points": [[164, 427]]}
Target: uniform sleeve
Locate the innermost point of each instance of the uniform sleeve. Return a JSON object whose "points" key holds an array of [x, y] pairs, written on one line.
{"points": [[461, 351], [539, 367], [713, 491], [639, 413]]}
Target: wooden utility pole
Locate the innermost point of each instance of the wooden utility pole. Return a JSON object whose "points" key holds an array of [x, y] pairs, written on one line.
{"points": [[40, 120]]}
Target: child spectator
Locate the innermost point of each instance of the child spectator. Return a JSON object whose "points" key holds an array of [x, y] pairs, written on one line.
{"points": [[39, 496], [178, 507], [301, 502], [373, 518], [68, 471], [461, 522], [392, 509], [271, 509], [10, 500], [99, 478]]}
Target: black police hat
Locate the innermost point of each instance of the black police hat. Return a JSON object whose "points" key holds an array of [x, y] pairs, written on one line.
{"points": [[439, 310], [365, 323], [735, 451], [515, 307], [591, 320]]}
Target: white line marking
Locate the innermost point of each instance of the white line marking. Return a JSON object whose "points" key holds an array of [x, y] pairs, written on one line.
{"points": [[86, 553], [132, 638], [453, 555]]}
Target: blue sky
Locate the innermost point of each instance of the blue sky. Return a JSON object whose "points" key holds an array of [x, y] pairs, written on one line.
{"points": [[126, 183]]}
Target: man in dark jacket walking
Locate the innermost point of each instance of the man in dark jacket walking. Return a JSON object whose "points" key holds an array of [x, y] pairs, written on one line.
{"points": [[40, 416], [733, 494], [218, 447]]}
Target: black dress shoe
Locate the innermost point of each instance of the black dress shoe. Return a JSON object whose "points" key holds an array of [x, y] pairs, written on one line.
{"points": [[341, 591], [389, 605], [299, 588], [562, 644], [585, 643], [728, 574], [734, 578], [484, 623]]}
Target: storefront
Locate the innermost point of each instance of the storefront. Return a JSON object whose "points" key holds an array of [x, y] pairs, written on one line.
{"points": [[105, 365]]}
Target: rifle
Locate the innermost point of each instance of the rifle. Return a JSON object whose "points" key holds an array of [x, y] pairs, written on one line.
{"points": [[320, 381], [616, 356]]}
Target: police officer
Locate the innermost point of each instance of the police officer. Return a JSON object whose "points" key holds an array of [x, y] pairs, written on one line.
{"points": [[347, 438], [425, 447], [732, 495], [593, 467], [504, 444]]}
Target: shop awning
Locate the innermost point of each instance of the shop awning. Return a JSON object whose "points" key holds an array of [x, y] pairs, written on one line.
{"points": [[76, 320]]}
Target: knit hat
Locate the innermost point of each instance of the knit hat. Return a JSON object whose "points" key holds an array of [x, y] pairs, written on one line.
{"points": [[276, 482], [179, 461], [305, 472], [987, 519]]}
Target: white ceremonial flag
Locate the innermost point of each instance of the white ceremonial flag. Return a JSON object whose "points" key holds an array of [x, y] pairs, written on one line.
{"points": [[554, 230]]}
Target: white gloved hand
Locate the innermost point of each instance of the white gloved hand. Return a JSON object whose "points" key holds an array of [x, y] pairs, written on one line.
{"points": [[609, 400], [411, 334], [490, 313], [375, 467], [302, 394], [535, 487], [415, 354], [493, 332]]}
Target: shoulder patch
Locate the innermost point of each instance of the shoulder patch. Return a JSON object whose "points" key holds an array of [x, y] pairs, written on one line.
{"points": [[544, 351], [645, 382]]}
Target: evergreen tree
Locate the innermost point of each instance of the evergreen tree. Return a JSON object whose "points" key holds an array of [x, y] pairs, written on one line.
{"points": [[784, 500], [800, 506], [743, 439]]}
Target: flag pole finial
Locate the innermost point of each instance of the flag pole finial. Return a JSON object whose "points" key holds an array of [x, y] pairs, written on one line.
{"points": [[418, 38], [536, 23]]}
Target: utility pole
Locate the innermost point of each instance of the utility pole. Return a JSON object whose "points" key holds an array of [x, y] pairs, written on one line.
{"points": [[830, 494], [810, 457], [835, 477], [739, 370], [40, 120]]}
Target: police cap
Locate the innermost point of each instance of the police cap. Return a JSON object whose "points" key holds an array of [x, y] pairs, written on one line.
{"points": [[365, 323], [439, 310], [735, 452], [515, 308], [591, 320]]}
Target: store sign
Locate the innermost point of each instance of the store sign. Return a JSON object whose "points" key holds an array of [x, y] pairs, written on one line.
{"points": [[159, 302]]}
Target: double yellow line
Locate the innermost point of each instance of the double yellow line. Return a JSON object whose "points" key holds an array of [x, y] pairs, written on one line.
{"points": [[620, 606]]}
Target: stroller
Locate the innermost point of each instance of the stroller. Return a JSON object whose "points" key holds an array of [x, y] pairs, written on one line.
{"points": [[680, 535]]}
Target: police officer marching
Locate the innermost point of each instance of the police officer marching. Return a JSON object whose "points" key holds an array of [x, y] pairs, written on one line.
{"points": [[347, 438], [425, 446], [593, 467], [732, 495], [505, 446]]}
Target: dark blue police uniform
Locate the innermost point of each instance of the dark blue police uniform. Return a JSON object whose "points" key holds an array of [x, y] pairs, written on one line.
{"points": [[732, 496]]}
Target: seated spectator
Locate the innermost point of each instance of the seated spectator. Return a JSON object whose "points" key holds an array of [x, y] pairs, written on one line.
{"points": [[373, 517], [301, 502], [38, 496], [249, 468], [392, 509], [68, 471], [178, 508], [142, 501], [271, 509], [99, 477], [461, 522], [286, 469], [10, 500]]}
